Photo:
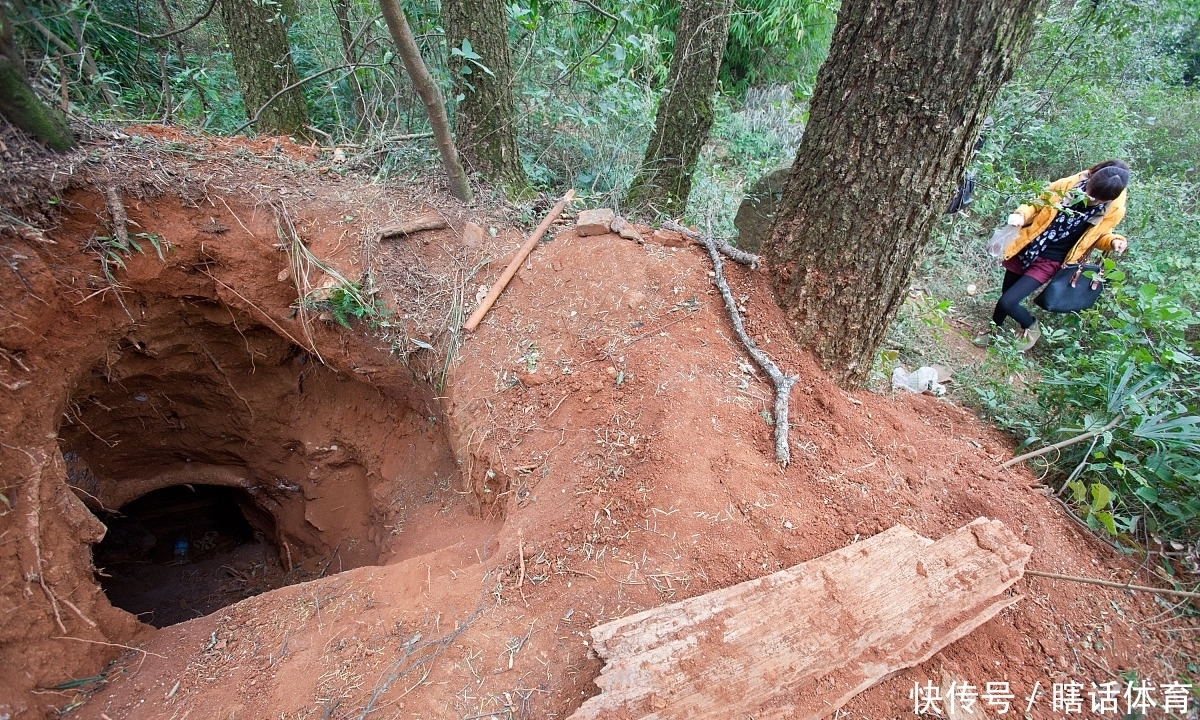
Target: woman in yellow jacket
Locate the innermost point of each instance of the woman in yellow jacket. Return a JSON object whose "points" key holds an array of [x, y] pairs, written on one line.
{"points": [[1073, 216]]}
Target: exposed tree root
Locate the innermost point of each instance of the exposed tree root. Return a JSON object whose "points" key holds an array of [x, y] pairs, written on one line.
{"points": [[118, 220]]}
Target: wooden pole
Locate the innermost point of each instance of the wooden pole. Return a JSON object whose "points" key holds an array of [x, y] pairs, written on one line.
{"points": [[1119, 586], [498, 287]]}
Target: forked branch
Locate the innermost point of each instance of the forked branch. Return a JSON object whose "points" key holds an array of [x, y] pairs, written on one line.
{"points": [[783, 383]]}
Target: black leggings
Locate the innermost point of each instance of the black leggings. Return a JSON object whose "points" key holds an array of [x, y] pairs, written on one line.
{"points": [[1016, 288]]}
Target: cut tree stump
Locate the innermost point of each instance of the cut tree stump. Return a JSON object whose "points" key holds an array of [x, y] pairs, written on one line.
{"points": [[802, 642]]}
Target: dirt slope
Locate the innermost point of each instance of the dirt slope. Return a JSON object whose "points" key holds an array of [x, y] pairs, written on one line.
{"points": [[599, 446]]}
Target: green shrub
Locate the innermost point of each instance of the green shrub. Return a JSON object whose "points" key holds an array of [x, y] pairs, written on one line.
{"points": [[1101, 80]]}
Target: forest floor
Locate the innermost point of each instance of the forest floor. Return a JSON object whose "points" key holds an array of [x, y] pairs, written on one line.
{"points": [[607, 449]]}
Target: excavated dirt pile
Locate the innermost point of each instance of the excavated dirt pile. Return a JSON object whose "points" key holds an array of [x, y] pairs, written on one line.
{"points": [[221, 502]]}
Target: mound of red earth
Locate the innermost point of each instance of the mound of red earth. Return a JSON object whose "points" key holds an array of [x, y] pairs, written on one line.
{"points": [[324, 521]]}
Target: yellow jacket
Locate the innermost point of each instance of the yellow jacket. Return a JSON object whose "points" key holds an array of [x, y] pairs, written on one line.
{"points": [[1038, 217]]}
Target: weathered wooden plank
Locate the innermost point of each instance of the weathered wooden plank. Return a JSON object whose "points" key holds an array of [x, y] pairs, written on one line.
{"points": [[801, 642]]}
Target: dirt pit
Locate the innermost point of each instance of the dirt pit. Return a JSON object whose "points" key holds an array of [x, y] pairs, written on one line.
{"points": [[227, 461], [175, 447], [443, 534]]}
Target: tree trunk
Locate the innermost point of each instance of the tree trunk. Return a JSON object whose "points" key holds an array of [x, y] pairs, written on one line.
{"points": [[485, 117], [341, 10], [685, 114], [896, 108], [263, 61], [414, 64], [21, 106]]}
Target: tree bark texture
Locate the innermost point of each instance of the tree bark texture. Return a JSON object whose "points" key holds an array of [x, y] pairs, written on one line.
{"points": [[262, 59], [485, 118], [896, 108], [800, 643], [21, 106], [685, 114], [414, 65]]}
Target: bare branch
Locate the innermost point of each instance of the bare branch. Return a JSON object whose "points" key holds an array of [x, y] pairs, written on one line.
{"points": [[160, 36], [783, 383], [298, 83], [601, 46]]}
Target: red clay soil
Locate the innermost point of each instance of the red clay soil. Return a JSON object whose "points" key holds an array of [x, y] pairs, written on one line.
{"points": [[599, 446]]}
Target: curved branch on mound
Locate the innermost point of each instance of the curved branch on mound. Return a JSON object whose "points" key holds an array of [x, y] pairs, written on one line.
{"points": [[783, 383], [741, 257]]}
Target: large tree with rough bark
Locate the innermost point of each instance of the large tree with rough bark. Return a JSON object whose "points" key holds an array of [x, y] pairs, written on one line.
{"points": [[685, 114], [262, 59], [896, 108], [481, 66], [18, 102]]}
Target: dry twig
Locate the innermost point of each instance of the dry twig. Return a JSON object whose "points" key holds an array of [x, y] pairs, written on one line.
{"points": [[521, 578], [1119, 586], [741, 257], [415, 656], [1060, 445]]}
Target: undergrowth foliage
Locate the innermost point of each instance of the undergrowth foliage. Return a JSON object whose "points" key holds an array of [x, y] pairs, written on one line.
{"points": [[1125, 370], [1102, 80]]}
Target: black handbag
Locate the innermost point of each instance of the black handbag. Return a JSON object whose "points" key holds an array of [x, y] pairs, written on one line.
{"points": [[1073, 288]]}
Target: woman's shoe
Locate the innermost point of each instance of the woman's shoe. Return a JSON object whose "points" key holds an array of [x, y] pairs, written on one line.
{"points": [[984, 340], [1029, 337]]}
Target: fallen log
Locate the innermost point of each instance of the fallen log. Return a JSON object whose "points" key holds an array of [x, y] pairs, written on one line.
{"points": [[415, 225], [802, 642]]}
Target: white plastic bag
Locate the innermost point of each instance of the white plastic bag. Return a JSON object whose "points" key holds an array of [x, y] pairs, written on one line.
{"points": [[924, 379], [1004, 235]]}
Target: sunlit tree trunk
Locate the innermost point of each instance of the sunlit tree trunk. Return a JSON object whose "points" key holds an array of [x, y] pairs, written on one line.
{"points": [[423, 82], [263, 61], [685, 114], [896, 108]]}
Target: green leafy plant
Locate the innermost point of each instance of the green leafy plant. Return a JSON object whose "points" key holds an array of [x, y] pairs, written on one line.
{"points": [[112, 250], [469, 57], [777, 42], [1094, 508], [1122, 383], [346, 302]]}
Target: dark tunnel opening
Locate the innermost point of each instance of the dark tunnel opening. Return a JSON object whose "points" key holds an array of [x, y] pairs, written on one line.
{"points": [[184, 551]]}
